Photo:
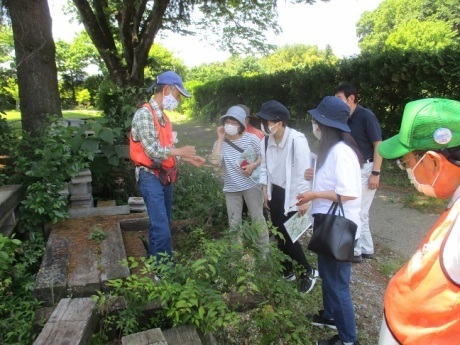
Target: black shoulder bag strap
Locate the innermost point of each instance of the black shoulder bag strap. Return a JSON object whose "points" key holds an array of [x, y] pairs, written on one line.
{"points": [[236, 147]]}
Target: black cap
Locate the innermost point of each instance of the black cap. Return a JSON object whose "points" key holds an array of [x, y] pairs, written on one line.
{"points": [[274, 111]]}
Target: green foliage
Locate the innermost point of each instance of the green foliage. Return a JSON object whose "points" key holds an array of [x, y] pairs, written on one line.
{"points": [[8, 247], [160, 60], [408, 24], [43, 166], [208, 268], [17, 304], [297, 56], [289, 57], [198, 195], [97, 234], [119, 104], [386, 82]]}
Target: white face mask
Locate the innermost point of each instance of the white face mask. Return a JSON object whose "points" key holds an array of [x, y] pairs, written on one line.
{"points": [[272, 132], [262, 128], [316, 131], [427, 189], [231, 129], [169, 101]]}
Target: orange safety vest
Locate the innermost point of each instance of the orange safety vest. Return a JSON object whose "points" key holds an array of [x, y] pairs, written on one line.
{"points": [[422, 303], [165, 136]]}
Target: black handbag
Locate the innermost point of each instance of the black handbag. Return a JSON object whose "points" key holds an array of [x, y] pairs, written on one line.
{"points": [[333, 234]]}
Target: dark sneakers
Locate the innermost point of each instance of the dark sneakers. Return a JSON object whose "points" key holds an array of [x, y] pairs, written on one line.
{"points": [[308, 281], [359, 258], [319, 320], [367, 256], [335, 340]]}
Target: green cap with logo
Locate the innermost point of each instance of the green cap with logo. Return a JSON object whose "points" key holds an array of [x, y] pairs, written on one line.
{"points": [[427, 124]]}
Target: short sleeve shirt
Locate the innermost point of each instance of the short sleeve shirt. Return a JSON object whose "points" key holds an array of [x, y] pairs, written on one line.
{"points": [[365, 129], [341, 173], [234, 179]]}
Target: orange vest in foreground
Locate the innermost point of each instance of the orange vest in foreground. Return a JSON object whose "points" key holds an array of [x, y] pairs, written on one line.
{"points": [[422, 303], [165, 136]]}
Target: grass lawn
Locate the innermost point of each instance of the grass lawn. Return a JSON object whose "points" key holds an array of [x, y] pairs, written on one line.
{"points": [[14, 115]]}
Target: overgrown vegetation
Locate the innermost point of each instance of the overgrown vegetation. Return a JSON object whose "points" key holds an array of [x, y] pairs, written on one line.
{"points": [[196, 291]]}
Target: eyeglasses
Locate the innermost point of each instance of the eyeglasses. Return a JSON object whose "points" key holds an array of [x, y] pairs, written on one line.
{"points": [[402, 164]]}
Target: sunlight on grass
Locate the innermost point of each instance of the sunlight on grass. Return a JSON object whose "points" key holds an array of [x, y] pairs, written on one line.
{"points": [[14, 115]]}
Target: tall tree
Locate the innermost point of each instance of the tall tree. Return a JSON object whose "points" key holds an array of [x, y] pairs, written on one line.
{"points": [[123, 31], [35, 62], [429, 24]]}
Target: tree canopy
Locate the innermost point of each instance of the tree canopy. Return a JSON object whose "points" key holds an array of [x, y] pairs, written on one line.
{"points": [[124, 31], [410, 24]]}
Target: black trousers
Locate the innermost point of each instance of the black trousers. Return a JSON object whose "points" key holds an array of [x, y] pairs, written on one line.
{"points": [[293, 250]]}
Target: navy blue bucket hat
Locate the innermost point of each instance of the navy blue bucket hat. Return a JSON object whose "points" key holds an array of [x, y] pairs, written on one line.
{"points": [[332, 112]]}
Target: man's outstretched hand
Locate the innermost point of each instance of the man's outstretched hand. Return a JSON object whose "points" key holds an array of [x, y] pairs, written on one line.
{"points": [[196, 161]]}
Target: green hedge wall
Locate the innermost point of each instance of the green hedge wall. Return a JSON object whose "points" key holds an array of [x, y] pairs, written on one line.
{"points": [[385, 82]]}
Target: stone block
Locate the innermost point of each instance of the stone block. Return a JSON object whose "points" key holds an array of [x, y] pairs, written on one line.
{"points": [[80, 188]]}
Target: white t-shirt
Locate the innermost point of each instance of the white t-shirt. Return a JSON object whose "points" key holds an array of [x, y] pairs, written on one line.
{"points": [[341, 173]]}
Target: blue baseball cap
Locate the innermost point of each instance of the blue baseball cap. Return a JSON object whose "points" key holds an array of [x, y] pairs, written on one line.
{"points": [[332, 112], [170, 78]]}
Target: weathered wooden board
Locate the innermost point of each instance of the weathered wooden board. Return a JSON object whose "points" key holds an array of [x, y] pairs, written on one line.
{"points": [[83, 278], [51, 281], [72, 323], [149, 337], [182, 335], [112, 254]]}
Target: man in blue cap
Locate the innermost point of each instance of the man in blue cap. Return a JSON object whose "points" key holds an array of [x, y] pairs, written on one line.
{"points": [[154, 154]]}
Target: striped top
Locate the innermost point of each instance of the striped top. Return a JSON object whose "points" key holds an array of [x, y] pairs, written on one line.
{"points": [[234, 180]]}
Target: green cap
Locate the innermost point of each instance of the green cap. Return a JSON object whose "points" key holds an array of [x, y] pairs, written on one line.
{"points": [[427, 124]]}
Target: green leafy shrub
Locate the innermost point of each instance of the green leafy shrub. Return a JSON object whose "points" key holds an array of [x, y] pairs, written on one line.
{"points": [[17, 276], [195, 291], [198, 194]]}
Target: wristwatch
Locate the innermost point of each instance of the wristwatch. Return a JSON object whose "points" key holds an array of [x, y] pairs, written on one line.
{"points": [[375, 172]]}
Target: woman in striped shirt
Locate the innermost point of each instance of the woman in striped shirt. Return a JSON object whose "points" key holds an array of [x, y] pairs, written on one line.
{"points": [[232, 144]]}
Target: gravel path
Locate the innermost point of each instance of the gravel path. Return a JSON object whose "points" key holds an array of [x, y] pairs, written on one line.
{"points": [[395, 227]]}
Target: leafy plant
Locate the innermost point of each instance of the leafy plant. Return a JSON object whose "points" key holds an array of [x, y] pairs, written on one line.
{"points": [[8, 249], [97, 234]]}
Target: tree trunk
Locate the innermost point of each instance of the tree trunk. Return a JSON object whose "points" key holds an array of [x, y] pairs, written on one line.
{"points": [[35, 63]]}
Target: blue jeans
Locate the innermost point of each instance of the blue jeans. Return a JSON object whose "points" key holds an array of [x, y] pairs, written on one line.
{"points": [[158, 201], [337, 302]]}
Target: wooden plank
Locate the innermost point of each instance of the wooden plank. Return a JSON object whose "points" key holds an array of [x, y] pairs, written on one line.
{"points": [[83, 277], [112, 253], [135, 224], [51, 282], [72, 323], [149, 337], [182, 335]]}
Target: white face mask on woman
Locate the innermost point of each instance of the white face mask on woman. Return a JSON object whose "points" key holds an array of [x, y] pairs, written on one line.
{"points": [[316, 131], [262, 128], [231, 129], [272, 132], [169, 102]]}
